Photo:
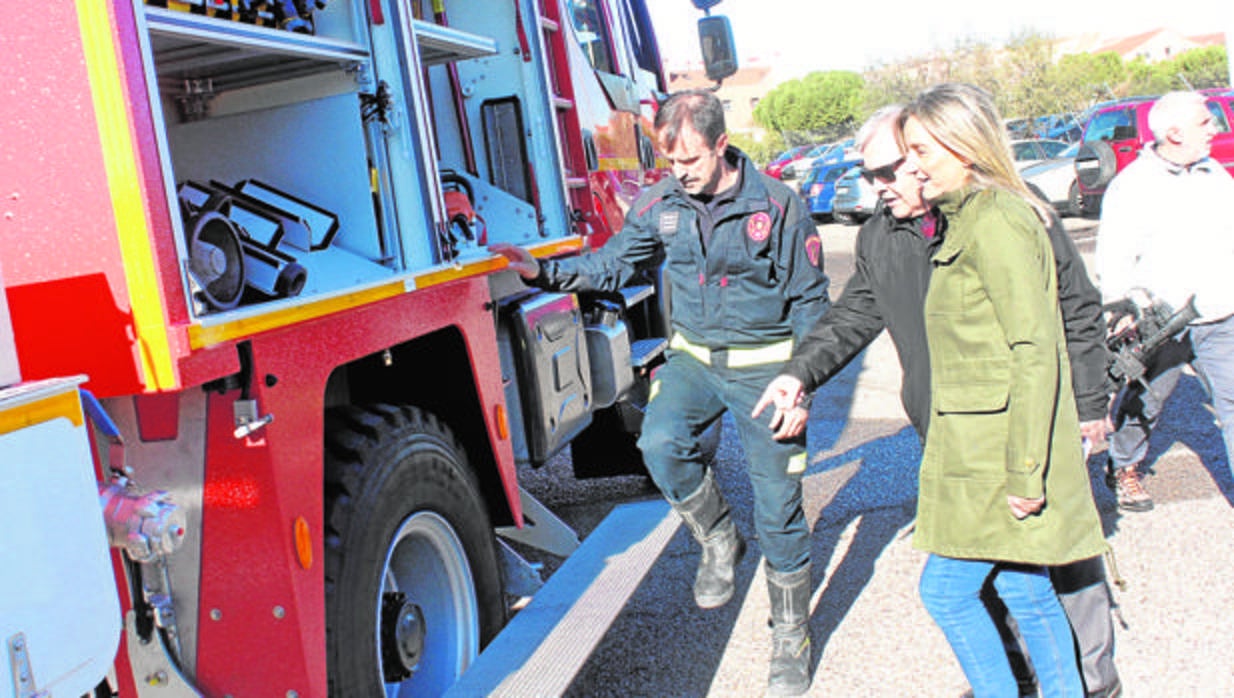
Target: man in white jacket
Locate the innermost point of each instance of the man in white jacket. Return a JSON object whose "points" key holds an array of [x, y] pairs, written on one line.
{"points": [[1167, 227]]}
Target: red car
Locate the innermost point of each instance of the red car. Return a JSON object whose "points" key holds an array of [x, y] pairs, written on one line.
{"points": [[1118, 131], [776, 167]]}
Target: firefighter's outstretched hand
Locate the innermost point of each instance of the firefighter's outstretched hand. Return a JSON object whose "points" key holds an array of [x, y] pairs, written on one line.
{"points": [[520, 260], [787, 395]]}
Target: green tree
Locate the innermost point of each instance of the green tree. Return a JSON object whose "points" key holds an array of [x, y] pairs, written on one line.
{"points": [[761, 151], [820, 106], [1206, 67], [1082, 79], [1023, 77], [1196, 69], [1024, 87]]}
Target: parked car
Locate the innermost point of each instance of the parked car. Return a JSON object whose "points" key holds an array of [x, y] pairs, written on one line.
{"points": [[799, 169], [1063, 127], [855, 198], [775, 168], [825, 153], [1117, 132], [1054, 180], [1018, 128], [819, 187], [1030, 150]]}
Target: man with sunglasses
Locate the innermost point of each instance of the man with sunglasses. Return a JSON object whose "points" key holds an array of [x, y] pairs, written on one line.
{"points": [[887, 291]]}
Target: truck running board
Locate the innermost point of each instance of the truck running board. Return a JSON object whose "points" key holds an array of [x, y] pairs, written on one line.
{"points": [[548, 642]]}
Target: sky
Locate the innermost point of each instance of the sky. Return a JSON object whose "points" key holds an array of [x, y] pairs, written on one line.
{"points": [[804, 35]]}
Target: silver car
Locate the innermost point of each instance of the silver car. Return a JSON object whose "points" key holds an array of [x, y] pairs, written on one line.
{"points": [[1055, 180]]}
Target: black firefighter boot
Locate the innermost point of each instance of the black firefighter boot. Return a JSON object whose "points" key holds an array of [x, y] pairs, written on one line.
{"points": [[707, 516], [790, 636]]}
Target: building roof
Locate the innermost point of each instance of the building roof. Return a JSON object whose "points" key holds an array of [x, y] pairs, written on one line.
{"points": [[694, 76]]}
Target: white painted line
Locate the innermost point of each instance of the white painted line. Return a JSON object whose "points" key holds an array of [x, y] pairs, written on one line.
{"points": [[546, 644]]}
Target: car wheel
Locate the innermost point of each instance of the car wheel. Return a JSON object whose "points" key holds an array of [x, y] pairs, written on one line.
{"points": [[1075, 201], [845, 218], [1095, 164]]}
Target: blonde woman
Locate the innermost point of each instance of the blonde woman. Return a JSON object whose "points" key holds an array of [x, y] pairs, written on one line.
{"points": [[1003, 489]]}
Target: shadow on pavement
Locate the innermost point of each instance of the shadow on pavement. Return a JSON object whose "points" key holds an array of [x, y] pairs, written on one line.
{"points": [[1187, 420]]}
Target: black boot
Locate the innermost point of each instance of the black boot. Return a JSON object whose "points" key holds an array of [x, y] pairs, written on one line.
{"points": [[790, 637], [706, 515]]}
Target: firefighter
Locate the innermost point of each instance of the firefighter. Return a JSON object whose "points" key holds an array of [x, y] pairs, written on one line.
{"points": [[744, 266]]}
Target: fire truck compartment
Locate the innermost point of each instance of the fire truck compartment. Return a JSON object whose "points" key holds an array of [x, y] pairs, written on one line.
{"points": [[345, 124], [60, 631]]}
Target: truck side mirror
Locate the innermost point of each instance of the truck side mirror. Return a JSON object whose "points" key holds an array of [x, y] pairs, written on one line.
{"points": [[715, 37]]}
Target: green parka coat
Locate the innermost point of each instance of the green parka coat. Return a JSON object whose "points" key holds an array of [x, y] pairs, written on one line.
{"points": [[1002, 419]]}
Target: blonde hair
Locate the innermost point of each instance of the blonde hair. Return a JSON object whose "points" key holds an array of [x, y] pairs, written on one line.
{"points": [[964, 120]]}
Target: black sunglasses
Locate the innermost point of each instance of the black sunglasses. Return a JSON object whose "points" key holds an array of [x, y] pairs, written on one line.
{"points": [[885, 174]]}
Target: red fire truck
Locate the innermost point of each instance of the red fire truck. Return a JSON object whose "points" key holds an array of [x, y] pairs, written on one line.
{"points": [[243, 251]]}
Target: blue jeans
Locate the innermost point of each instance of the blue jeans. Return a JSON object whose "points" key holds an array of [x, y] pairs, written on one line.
{"points": [[687, 396], [951, 591], [1212, 346]]}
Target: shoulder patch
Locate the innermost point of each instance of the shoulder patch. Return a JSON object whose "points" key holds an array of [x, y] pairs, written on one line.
{"points": [[814, 248]]}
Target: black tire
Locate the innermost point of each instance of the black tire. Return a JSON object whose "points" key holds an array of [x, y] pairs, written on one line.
{"points": [[1095, 165], [844, 218], [1075, 201], [1090, 205], [407, 531]]}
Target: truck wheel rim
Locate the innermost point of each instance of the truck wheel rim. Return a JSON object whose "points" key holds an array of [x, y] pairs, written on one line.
{"points": [[427, 562]]}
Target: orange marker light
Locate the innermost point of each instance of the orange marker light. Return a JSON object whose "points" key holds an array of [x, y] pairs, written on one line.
{"points": [[503, 424], [304, 543]]}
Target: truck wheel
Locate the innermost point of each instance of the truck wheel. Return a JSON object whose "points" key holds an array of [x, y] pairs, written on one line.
{"points": [[413, 589]]}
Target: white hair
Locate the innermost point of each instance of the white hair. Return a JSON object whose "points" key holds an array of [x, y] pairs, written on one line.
{"points": [[1171, 110], [887, 116]]}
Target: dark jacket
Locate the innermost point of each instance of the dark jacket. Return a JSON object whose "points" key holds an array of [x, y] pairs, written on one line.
{"points": [[888, 289], [744, 272]]}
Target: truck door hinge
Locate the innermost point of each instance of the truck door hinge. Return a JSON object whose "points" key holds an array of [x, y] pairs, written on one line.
{"points": [[23, 676]]}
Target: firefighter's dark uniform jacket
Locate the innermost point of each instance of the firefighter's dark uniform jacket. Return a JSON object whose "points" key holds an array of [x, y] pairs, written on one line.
{"points": [[888, 289], [749, 276]]}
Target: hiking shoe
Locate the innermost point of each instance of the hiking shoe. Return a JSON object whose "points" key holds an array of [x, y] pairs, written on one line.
{"points": [[1130, 490]]}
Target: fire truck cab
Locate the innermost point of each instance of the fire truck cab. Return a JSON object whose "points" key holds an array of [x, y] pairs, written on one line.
{"points": [[244, 263]]}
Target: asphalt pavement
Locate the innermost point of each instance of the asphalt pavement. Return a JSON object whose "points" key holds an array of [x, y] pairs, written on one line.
{"points": [[871, 636]]}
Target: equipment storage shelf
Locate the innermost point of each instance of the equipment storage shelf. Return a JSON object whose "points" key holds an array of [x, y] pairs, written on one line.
{"points": [[440, 44], [269, 158], [291, 117], [232, 54]]}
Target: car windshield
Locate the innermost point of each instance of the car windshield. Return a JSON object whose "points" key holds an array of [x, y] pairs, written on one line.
{"points": [[1053, 148], [1116, 124], [1070, 152]]}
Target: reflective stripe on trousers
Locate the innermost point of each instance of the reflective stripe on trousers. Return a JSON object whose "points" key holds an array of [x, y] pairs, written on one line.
{"points": [[735, 357]]}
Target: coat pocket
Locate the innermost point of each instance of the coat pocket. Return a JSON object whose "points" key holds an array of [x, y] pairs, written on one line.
{"points": [[973, 386]]}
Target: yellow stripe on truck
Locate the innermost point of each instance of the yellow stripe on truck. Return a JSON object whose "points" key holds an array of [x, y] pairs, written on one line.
{"points": [[128, 205], [65, 404]]}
